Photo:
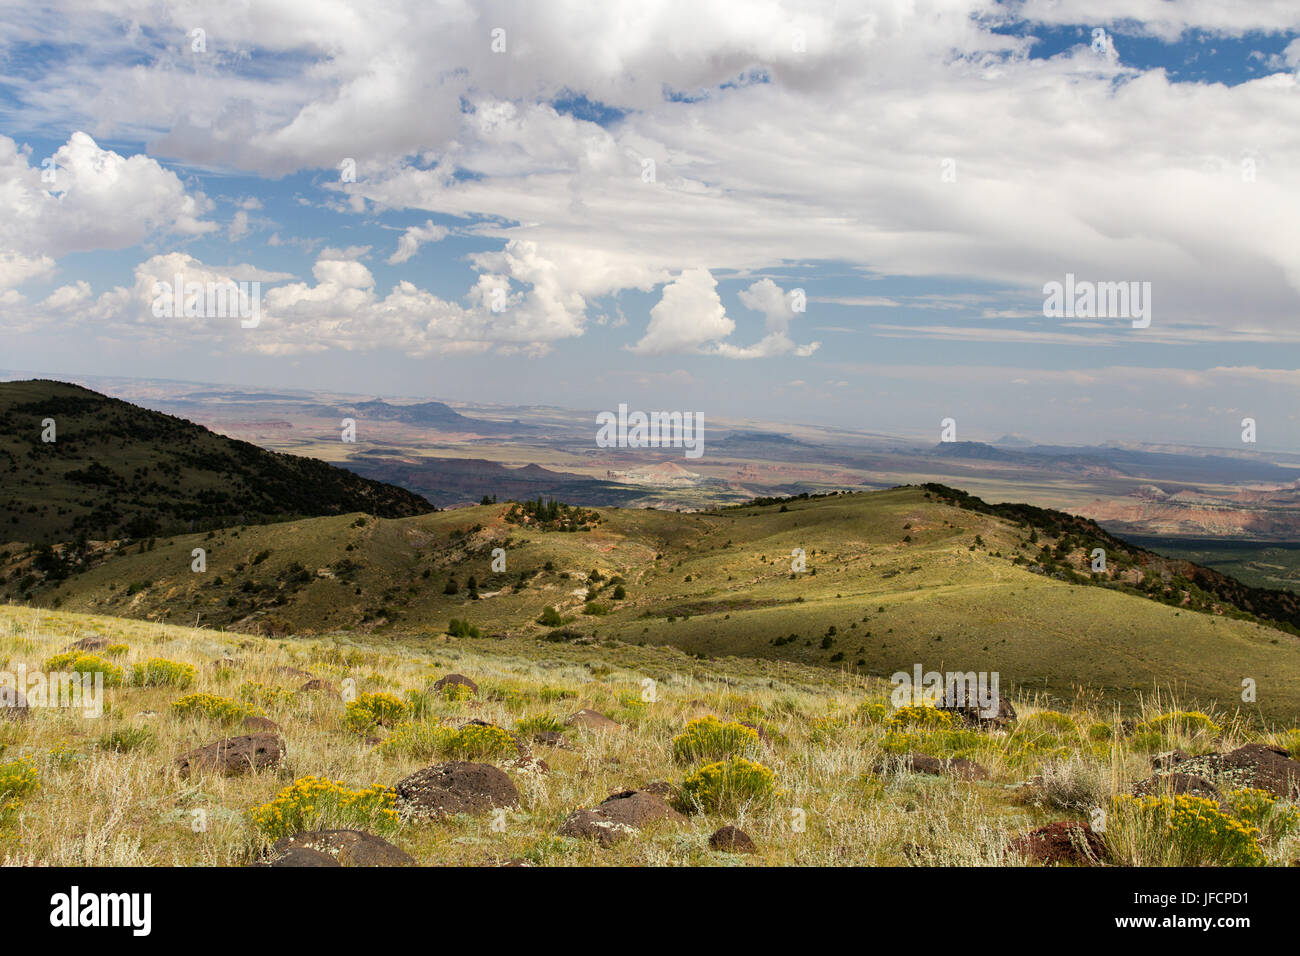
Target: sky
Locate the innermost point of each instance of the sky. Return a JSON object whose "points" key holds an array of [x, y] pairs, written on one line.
{"points": [[834, 213]]}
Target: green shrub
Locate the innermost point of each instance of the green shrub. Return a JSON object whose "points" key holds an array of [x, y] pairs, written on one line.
{"points": [[728, 786], [160, 672], [550, 617], [539, 723], [125, 739], [708, 738], [459, 628], [1048, 722]]}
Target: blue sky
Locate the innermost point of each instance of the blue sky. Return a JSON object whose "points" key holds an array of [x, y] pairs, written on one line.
{"points": [[918, 170]]}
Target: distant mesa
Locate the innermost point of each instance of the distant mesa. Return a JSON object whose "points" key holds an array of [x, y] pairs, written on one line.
{"points": [[975, 449], [435, 415]]}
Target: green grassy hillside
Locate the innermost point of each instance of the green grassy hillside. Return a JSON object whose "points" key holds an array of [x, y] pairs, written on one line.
{"points": [[113, 469], [892, 579]]}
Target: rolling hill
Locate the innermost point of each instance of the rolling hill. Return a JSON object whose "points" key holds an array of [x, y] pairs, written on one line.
{"points": [[893, 578], [114, 470]]}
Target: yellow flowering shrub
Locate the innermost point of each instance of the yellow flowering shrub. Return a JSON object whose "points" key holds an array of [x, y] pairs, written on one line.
{"points": [[116, 650], [477, 742], [264, 695], [1262, 809], [375, 709], [728, 785], [160, 672], [872, 711], [708, 738], [919, 715], [79, 662], [1182, 830], [417, 740], [221, 709], [17, 779], [314, 803]]}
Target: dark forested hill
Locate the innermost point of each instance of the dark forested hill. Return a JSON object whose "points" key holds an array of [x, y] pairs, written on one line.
{"points": [[76, 463]]}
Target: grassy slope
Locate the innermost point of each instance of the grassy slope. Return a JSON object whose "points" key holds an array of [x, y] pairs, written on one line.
{"points": [[945, 606], [98, 807]]}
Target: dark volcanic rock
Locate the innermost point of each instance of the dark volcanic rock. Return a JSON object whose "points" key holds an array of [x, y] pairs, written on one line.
{"points": [[1177, 783], [636, 808], [972, 716], [618, 817], [234, 755], [460, 679], [320, 685], [93, 642], [13, 704], [1264, 768], [457, 787], [594, 825], [1063, 842], [301, 856], [1169, 760], [914, 762], [729, 839], [347, 847], [592, 720]]}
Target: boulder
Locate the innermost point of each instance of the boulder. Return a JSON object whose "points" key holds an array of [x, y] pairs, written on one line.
{"points": [[972, 716], [730, 839], [457, 787], [592, 720], [301, 856], [1169, 760], [594, 825], [234, 755], [1264, 768], [319, 684], [345, 847], [92, 642], [1175, 783], [1065, 842], [460, 679], [636, 808], [914, 762], [618, 817], [13, 704]]}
